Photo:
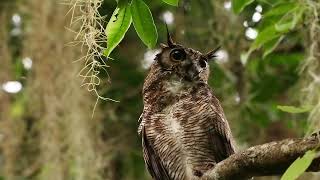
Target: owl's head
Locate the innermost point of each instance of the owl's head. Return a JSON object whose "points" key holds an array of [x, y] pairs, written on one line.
{"points": [[183, 63]]}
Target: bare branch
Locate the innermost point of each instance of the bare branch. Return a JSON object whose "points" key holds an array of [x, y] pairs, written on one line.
{"points": [[265, 160]]}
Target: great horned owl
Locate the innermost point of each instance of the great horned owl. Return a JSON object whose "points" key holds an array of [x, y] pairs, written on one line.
{"points": [[183, 127]]}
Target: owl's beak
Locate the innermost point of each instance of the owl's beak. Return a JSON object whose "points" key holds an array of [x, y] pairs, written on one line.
{"points": [[193, 72]]}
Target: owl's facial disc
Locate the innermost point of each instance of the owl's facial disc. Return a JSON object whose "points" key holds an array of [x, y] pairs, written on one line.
{"points": [[195, 71], [184, 63], [188, 64]]}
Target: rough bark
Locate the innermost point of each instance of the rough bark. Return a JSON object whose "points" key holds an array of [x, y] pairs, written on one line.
{"points": [[265, 160]]}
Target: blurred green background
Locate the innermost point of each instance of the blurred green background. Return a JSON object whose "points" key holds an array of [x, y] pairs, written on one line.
{"points": [[46, 126]]}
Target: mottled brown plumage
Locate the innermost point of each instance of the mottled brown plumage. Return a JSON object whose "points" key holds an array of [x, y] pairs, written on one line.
{"points": [[183, 127]]}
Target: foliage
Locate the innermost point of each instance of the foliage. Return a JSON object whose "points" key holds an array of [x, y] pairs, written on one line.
{"points": [[239, 5], [282, 18], [171, 2], [120, 21], [299, 166], [293, 109], [143, 23], [117, 27]]}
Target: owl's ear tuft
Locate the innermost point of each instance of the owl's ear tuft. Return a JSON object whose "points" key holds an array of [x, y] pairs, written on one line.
{"points": [[212, 54], [170, 42]]}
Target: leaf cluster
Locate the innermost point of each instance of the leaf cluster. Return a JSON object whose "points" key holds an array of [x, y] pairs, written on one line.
{"points": [[138, 12], [282, 18]]}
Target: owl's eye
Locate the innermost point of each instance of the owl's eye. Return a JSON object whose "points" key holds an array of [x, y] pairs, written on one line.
{"points": [[178, 55]]}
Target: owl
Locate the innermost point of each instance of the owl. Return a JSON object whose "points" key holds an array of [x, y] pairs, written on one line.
{"points": [[183, 127]]}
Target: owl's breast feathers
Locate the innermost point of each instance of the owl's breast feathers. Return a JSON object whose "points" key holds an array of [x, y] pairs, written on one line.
{"points": [[184, 131]]}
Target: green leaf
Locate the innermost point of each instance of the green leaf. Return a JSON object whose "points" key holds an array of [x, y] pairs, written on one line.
{"points": [[117, 27], [18, 107], [266, 35], [239, 5], [172, 2], [143, 23], [284, 27], [290, 20], [299, 166], [280, 9], [271, 2], [245, 56], [271, 45], [293, 109]]}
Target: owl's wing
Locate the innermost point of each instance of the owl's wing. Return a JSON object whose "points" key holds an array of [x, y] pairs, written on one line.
{"points": [[153, 162], [220, 133]]}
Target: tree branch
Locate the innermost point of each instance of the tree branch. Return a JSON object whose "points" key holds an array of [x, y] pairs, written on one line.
{"points": [[265, 160]]}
